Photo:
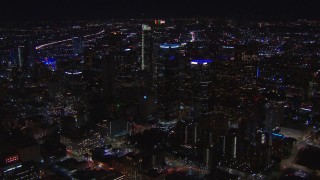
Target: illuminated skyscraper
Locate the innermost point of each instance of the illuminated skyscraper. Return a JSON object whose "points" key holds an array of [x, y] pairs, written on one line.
{"points": [[22, 58], [146, 45], [230, 146]]}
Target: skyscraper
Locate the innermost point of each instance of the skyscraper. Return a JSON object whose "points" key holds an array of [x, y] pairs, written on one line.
{"points": [[274, 115], [170, 79], [30, 54], [22, 56], [201, 86], [146, 51], [78, 45], [108, 75]]}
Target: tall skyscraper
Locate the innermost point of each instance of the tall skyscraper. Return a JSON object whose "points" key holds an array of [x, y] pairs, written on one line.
{"points": [[78, 45], [21, 59], [108, 75], [170, 79], [201, 87], [146, 45], [31, 54], [22, 56], [274, 116], [230, 146]]}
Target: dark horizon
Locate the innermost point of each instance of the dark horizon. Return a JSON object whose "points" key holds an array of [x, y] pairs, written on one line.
{"points": [[36, 10]]}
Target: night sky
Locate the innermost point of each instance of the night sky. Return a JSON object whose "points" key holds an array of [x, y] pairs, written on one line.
{"points": [[13, 10]]}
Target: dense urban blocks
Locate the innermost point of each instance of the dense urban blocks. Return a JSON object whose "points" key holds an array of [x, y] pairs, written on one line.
{"points": [[175, 98]]}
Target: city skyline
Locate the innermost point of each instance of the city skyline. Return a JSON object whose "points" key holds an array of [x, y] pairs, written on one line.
{"points": [[159, 90]]}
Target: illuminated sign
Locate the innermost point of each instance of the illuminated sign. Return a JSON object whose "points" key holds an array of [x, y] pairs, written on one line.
{"points": [[201, 61], [278, 135], [159, 22], [49, 62], [167, 46]]}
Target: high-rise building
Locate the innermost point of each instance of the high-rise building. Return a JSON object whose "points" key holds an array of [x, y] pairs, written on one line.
{"points": [[201, 83], [230, 144], [226, 53], [81, 141], [78, 45], [170, 77], [108, 75], [30, 54], [274, 116], [21, 56], [147, 48]]}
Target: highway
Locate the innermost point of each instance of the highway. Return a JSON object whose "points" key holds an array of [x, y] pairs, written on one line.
{"points": [[66, 40]]}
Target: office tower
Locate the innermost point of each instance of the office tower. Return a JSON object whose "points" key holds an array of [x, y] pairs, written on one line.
{"points": [[230, 144], [78, 45], [12, 57], [22, 57], [81, 141], [170, 76], [201, 83], [274, 116], [226, 52], [262, 151], [147, 47], [112, 95], [108, 75], [30, 54]]}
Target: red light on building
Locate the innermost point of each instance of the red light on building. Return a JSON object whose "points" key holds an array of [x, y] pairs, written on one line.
{"points": [[159, 22], [12, 159]]}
